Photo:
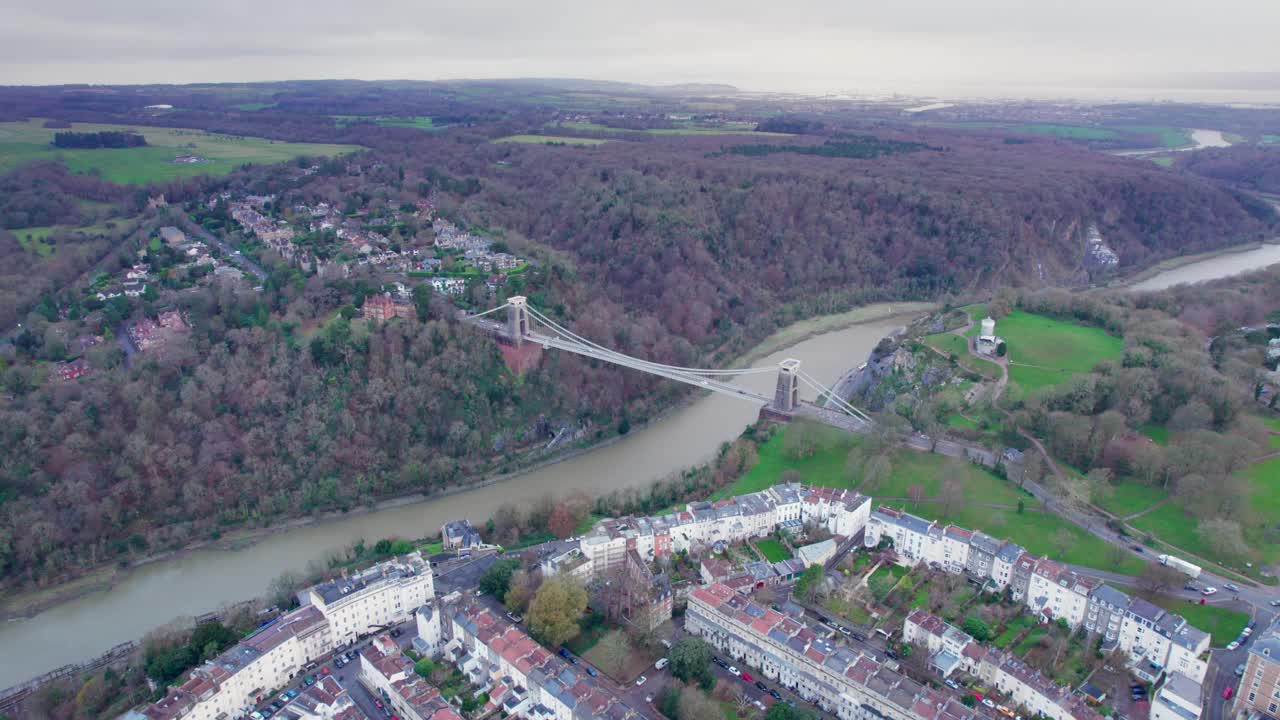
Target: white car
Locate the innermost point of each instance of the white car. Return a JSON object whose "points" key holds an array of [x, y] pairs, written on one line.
{"points": [[988, 703], [641, 680], [662, 662], [1209, 591], [1247, 632], [734, 671], [1232, 587], [1234, 645]]}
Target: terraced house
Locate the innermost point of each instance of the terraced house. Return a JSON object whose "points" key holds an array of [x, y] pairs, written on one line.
{"points": [[702, 525], [524, 679], [952, 649], [1156, 641], [334, 614], [784, 648]]}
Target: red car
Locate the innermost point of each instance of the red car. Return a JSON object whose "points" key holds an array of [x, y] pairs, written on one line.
{"points": [[747, 677], [1226, 694]]}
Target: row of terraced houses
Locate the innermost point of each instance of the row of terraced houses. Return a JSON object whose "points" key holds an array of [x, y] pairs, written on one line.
{"points": [[1156, 641]]}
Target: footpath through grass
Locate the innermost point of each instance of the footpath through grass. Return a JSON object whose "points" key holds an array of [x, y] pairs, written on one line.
{"points": [[1131, 497], [958, 347]]}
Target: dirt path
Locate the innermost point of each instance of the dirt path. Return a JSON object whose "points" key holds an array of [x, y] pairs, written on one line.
{"points": [[1140, 513]]}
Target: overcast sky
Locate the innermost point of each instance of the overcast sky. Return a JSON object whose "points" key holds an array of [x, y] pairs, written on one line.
{"points": [[832, 45]]}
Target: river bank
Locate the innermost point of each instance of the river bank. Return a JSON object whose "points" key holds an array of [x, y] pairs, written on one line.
{"points": [[1164, 266], [82, 620]]}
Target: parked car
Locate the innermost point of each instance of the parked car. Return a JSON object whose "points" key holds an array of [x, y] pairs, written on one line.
{"points": [[1246, 632], [662, 662], [1231, 586], [775, 694], [564, 653], [641, 680], [1209, 591], [988, 703], [952, 684], [746, 677], [1233, 645], [1275, 603], [733, 670], [1226, 694], [267, 712], [515, 618], [291, 693], [720, 662], [255, 715], [1137, 548], [592, 671], [309, 680], [844, 631], [1239, 670], [1191, 586]]}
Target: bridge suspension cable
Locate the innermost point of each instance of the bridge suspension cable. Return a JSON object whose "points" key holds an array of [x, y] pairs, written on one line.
{"points": [[503, 306], [570, 335], [838, 402]]}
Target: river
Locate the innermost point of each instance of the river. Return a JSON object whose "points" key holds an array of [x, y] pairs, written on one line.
{"points": [[1212, 268], [199, 581], [202, 580], [1200, 139]]}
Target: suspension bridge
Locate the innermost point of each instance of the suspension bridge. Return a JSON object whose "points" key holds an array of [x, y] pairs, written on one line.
{"points": [[524, 323]]}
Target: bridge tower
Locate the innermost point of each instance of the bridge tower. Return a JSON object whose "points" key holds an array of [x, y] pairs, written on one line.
{"points": [[787, 394], [517, 318]]}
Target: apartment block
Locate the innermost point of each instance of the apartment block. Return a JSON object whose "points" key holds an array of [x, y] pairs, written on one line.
{"points": [[703, 525], [1259, 691], [232, 683], [385, 594], [1155, 640], [952, 649], [524, 679], [389, 674], [1178, 698], [851, 685]]}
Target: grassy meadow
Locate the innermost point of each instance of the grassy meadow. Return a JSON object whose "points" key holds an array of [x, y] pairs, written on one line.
{"points": [[23, 142], [1045, 351], [549, 140]]}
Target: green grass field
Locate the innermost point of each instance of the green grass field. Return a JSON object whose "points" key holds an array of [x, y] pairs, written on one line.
{"points": [[824, 468], [1170, 137], [549, 140], [773, 550], [1265, 480], [23, 142], [253, 106], [1131, 497], [421, 122], [1032, 530], [1057, 349], [926, 470], [34, 239], [952, 344], [1165, 162], [1223, 624], [1158, 433], [961, 422], [726, 129], [1273, 424], [1070, 132]]}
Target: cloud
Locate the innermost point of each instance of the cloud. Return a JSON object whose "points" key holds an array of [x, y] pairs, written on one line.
{"points": [[801, 45]]}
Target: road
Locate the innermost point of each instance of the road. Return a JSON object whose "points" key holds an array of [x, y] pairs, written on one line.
{"points": [[229, 253]]}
